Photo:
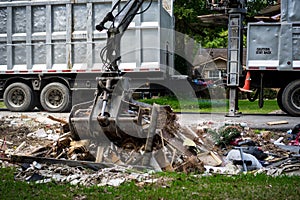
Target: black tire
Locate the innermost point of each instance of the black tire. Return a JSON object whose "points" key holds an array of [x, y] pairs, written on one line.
{"points": [[19, 97], [279, 100], [55, 97], [291, 98]]}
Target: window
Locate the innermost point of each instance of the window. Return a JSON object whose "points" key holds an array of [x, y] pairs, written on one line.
{"points": [[214, 74]]}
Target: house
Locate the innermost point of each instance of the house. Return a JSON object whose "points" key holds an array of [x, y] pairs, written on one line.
{"points": [[211, 64]]}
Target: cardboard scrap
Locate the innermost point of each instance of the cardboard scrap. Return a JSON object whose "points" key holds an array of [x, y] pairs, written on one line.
{"points": [[209, 158]]}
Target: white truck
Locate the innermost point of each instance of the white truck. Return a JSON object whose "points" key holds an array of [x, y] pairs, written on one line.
{"points": [[273, 57], [50, 49]]}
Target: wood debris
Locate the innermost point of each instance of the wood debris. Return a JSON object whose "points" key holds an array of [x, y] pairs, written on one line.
{"points": [[277, 122], [210, 158], [167, 147]]}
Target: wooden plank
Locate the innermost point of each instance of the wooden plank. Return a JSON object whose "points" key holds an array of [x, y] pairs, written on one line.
{"points": [[209, 158], [277, 122], [178, 145], [57, 119], [5, 141], [99, 156], [71, 163], [151, 133], [21, 146]]}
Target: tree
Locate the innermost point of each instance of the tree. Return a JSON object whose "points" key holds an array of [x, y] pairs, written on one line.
{"points": [[254, 6], [187, 23]]}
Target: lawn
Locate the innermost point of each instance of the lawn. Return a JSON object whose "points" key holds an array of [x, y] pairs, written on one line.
{"points": [[210, 106], [220, 106], [180, 186], [2, 104]]}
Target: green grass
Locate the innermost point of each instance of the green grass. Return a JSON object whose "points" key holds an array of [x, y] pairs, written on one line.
{"points": [[181, 186], [214, 106], [2, 104], [252, 107], [204, 105]]}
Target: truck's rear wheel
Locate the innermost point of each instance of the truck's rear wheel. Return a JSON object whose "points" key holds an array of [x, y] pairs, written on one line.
{"points": [[19, 97], [55, 97], [279, 100], [291, 98]]}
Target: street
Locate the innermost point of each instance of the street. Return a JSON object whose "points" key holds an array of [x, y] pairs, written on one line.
{"points": [[257, 121]]}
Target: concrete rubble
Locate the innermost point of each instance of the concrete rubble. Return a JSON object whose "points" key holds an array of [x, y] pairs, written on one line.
{"points": [[44, 150]]}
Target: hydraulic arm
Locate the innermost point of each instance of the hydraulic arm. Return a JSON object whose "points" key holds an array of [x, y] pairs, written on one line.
{"points": [[236, 10], [113, 116], [110, 55]]}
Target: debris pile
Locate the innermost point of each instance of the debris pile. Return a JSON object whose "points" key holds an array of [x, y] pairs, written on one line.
{"points": [[255, 150], [49, 151], [113, 176], [171, 149], [20, 134]]}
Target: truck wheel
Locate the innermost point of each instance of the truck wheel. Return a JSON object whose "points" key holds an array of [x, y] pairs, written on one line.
{"points": [[291, 98], [279, 100], [55, 97], [19, 97]]}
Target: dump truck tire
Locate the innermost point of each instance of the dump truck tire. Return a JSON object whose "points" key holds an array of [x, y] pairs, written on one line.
{"points": [[19, 97], [279, 100], [55, 97], [291, 98]]}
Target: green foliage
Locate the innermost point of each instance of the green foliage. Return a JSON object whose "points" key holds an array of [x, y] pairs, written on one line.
{"points": [[254, 6], [186, 11], [256, 131], [220, 41], [186, 21], [225, 134], [270, 93]]}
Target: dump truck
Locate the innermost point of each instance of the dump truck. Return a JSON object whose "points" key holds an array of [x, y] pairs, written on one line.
{"points": [[273, 57], [50, 50]]}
